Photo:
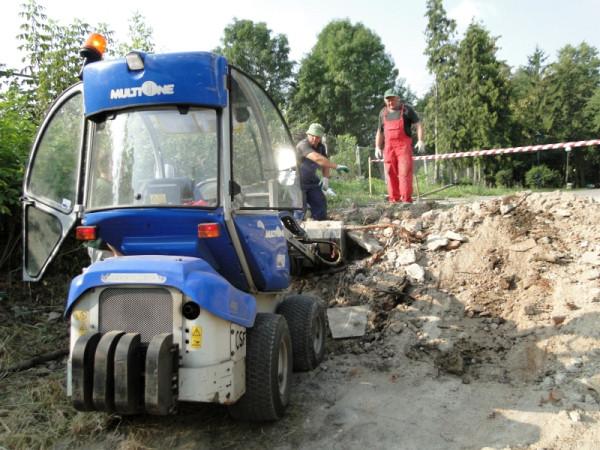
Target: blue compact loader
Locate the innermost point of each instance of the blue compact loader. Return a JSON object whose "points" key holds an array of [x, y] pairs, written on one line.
{"points": [[181, 176]]}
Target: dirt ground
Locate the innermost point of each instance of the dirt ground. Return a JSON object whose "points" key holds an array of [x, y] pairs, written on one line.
{"points": [[482, 332]]}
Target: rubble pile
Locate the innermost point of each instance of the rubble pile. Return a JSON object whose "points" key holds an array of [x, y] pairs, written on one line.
{"points": [[504, 290]]}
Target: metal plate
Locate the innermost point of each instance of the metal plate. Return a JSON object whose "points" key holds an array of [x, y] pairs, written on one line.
{"points": [[147, 311]]}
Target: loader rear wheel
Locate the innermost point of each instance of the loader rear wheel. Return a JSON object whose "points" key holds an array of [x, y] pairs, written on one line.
{"points": [[268, 370], [306, 319]]}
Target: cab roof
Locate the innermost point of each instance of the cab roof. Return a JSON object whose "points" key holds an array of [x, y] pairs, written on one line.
{"points": [[191, 78]]}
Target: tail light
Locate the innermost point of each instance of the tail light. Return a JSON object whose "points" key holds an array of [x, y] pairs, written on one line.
{"points": [[86, 233], [209, 230]]}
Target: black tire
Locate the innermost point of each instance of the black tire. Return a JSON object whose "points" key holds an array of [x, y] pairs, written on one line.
{"points": [[268, 371], [306, 318]]}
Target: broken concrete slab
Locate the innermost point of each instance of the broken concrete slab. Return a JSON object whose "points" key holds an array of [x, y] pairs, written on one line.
{"points": [[416, 273], [435, 242], [405, 257], [348, 321], [507, 208], [366, 241]]}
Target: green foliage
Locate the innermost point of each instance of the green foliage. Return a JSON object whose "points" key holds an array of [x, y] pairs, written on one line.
{"points": [[504, 178], [16, 134], [342, 80], [52, 63], [346, 153], [484, 110], [542, 177], [592, 110], [355, 191], [442, 51], [140, 36], [251, 47], [527, 101], [571, 83], [51, 55], [53, 175]]}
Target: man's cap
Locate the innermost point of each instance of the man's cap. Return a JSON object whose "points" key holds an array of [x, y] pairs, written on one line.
{"points": [[391, 93], [316, 129]]}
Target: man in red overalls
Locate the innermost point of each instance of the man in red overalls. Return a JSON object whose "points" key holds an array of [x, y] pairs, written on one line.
{"points": [[394, 130]]}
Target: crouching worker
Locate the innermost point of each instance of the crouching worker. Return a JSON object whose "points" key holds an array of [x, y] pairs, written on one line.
{"points": [[313, 154]]}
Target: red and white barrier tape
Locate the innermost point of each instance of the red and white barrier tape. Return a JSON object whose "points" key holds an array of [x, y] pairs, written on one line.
{"points": [[500, 151]]}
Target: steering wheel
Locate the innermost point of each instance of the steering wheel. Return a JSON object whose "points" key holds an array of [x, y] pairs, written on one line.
{"points": [[206, 190]]}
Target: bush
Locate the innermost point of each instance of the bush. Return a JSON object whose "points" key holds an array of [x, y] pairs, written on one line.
{"points": [[542, 177], [345, 153], [464, 181], [504, 178]]}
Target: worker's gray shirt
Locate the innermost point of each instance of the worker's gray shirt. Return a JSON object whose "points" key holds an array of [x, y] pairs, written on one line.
{"points": [[308, 168]]}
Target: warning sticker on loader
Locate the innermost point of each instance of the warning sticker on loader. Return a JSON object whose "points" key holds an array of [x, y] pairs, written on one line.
{"points": [[196, 337]]}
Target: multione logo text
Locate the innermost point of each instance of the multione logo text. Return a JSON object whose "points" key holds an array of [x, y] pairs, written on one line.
{"points": [[148, 89]]}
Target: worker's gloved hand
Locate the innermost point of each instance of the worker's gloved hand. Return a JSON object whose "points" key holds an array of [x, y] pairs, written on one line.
{"points": [[378, 153], [324, 183], [342, 169], [420, 147]]}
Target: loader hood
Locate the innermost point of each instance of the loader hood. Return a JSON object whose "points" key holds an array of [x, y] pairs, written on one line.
{"points": [[193, 276]]}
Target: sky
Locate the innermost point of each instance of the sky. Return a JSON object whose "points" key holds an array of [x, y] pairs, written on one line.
{"points": [[181, 25]]}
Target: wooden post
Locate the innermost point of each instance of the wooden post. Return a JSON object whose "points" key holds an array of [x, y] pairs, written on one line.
{"points": [[370, 187]]}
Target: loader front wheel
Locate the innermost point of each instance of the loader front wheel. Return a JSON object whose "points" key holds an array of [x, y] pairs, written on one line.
{"points": [[306, 318], [268, 370]]}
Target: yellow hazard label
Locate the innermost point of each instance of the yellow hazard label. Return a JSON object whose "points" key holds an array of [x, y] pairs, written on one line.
{"points": [[81, 319], [80, 315], [196, 338]]}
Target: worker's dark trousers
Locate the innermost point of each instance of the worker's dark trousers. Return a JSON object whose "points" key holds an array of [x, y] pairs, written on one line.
{"points": [[316, 201]]}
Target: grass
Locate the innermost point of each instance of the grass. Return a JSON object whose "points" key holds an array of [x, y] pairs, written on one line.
{"points": [[34, 410], [356, 191]]}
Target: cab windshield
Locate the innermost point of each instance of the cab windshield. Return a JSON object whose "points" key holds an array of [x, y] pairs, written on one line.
{"points": [[160, 157]]}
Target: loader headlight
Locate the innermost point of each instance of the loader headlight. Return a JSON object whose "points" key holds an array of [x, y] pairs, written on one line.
{"points": [[135, 61], [190, 310]]}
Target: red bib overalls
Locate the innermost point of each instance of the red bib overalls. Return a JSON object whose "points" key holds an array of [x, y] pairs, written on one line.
{"points": [[397, 159]]}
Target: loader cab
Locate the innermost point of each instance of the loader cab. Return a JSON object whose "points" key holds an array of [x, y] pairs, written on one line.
{"points": [[150, 159]]}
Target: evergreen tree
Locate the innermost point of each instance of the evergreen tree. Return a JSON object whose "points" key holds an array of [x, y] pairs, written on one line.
{"points": [[572, 82], [483, 105], [441, 51], [527, 101]]}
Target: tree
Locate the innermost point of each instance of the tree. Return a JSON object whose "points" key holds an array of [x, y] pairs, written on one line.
{"points": [[140, 36], [572, 82], [341, 81], [527, 96], [251, 47], [485, 110], [593, 111], [16, 131], [441, 51], [51, 55]]}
